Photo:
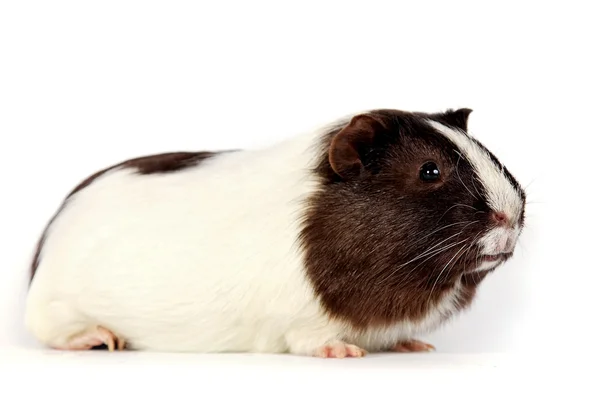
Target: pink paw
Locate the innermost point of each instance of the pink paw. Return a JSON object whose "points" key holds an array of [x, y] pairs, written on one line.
{"points": [[93, 337], [339, 350], [410, 346]]}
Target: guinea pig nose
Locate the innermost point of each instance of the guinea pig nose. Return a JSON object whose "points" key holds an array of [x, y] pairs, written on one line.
{"points": [[500, 218]]}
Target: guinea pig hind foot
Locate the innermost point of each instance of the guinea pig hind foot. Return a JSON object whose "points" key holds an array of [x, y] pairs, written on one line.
{"points": [[93, 337], [412, 346]]}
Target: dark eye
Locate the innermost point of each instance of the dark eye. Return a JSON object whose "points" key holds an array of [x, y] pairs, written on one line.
{"points": [[429, 172]]}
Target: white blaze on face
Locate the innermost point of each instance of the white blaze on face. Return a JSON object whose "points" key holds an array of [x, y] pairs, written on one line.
{"points": [[500, 194]]}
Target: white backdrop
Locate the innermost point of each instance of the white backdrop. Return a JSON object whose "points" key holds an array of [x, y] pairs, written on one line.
{"points": [[87, 84]]}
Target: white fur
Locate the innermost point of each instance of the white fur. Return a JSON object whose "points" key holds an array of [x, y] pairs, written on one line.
{"points": [[500, 194], [200, 260], [486, 265], [499, 240]]}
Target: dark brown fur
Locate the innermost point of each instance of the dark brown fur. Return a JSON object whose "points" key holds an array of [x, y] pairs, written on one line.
{"points": [[373, 215], [153, 164]]}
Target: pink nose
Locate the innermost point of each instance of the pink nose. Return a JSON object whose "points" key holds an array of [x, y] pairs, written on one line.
{"points": [[500, 218]]}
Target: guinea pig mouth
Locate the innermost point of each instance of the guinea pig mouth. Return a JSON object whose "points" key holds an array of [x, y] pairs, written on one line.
{"points": [[495, 257]]}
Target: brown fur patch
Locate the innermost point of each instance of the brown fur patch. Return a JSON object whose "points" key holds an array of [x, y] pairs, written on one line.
{"points": [[366, 230], [152, 164]]}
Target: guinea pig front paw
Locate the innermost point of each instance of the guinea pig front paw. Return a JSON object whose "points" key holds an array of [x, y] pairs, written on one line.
{"points": [[412, 346], [339, 349], [94, 337]]}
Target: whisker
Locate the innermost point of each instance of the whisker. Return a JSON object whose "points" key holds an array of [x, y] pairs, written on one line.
{"points": [[440, 250], [475, 242], [428, 251], [474, 185], [439, 229], [441, 272], [451, 207], [458, 174], [458, 258], [436, 252], [522, 246], [529, 184]]}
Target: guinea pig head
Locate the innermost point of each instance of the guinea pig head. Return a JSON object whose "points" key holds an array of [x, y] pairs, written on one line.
{"points": [[409, 205]]}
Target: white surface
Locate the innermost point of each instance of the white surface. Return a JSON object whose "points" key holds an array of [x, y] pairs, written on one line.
{"points": [[100, 375], [84, 85]]}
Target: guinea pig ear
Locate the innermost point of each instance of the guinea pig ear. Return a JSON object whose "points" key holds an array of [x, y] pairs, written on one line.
{"points": [[348, 147], [457, 118]]}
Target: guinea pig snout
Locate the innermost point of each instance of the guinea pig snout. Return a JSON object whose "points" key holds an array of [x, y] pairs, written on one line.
{"points": [[499, 240], [500, 218]]}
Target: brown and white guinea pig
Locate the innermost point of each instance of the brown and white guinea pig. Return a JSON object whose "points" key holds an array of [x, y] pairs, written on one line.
{"points": [[358, 237]]}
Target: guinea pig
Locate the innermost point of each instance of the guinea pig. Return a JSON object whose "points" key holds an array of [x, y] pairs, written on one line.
{"points": [[357, 237]]}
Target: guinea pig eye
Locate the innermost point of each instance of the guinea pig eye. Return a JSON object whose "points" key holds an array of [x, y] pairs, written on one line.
{"points": [[429, 172]]}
